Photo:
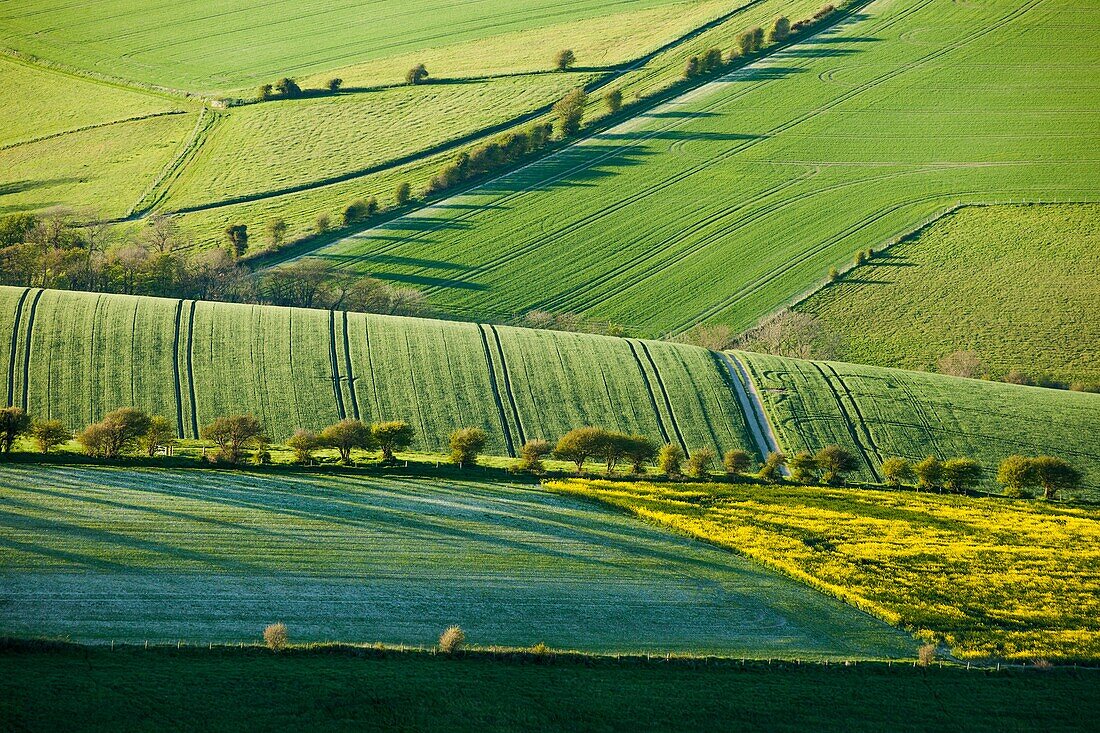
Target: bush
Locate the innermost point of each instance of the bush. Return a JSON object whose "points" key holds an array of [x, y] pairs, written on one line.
{"points": [[391, 436], [264, 93], [402, 193], [569, 111], [160, 434], [580, 444], [1054, 475], [276, 232], [335, 84], [614, 100], [531, 454], [13, 423], [359, 210], [929, 474], [564, 59], [737, 461], [416, 74], [276, 637], [1017, 474], [711, 61], [773, 465], [303, 443], [466, 444], [347, 435], [961, 474], [323, 223], [48, 434], [237, 234], [780, 30], [287, 87], [834, 462], [232, 434], [639, 450], [926, 655], [692, 67], [116, 434], [803, 467], [452, 640], [834, 274], [960, 364], [898, 472], [699, 463], [670, 459]]}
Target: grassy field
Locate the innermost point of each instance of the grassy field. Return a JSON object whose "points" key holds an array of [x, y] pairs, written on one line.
{"points": [[986, 576], [877, 413], [76, 356], [241, 43], [835, 144], [98, 554], [227, 689], [1018, 285]]}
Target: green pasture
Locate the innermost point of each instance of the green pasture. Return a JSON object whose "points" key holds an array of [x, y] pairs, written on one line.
{"points": [[877, 413], [1017, 285], [98, 554], [231, 689], [734, 199]]}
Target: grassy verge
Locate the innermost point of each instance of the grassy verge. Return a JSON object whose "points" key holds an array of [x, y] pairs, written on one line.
{"points": [[233, 689]]}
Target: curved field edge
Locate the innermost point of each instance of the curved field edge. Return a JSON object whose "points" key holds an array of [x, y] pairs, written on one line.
{"points": [[1015, 284], [988, 577], [128, 554], [877, 412]]}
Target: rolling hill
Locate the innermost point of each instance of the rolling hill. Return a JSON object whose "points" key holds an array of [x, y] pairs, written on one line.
{"points": [[76, 356]]}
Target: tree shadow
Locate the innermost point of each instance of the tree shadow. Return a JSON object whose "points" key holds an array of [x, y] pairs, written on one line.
{"points": [[428, 281]]}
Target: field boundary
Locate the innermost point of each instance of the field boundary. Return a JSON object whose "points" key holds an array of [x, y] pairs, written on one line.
{"points": [[96, 126], [649, 390], [159, 186]]}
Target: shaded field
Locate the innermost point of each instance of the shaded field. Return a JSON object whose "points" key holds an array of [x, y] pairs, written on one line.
{"points": [[1017, 285], [840, 142], [876, 413], [232, 689], [76, 356], [98, 554], [988, 577]]}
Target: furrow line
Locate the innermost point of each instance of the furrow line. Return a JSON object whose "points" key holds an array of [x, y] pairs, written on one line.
{"points": [[335, 365], [508, 384], [496, 392], [664, 394], [15, 345], [27, 349], [348, 369], [176, 369], [849, 424], [191, 370], [649, 390]]}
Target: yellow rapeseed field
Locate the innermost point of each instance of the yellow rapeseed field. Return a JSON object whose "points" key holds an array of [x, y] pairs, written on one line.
{"points": [[989, 577]]}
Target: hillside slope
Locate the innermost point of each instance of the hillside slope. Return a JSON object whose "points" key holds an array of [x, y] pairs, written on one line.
{"points": [[737, 197], [877, 413], [1017, 285]]}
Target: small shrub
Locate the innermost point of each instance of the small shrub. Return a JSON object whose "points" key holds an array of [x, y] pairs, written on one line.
{"points": [[275, 636], [402, 193], [898, 472], [48, 434], [834, 274], [699, 463], [323, 223], [303, 443], [541, 649], [737, 461], [466, 445], [670, 460], [773, 465], [287, 87], [265, 92], [335, 84], [614, 100], [569, 111], [451, 640], [416, 74], [564, 59], [803, 467], [926, 654], [531, 454]]}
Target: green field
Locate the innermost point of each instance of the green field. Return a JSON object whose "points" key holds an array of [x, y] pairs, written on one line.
{"points": [[228, 689], [736, 198], [988, 577], [190, 45], [1017, 285], [76, 356], [98, 554], [877, 413]]}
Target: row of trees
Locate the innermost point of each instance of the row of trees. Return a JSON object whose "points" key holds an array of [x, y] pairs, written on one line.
{"points": [[57, 250], [492, 156], [750, 42]]}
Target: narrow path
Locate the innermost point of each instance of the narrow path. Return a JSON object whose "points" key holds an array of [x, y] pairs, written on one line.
{"points": [[753, 407]]}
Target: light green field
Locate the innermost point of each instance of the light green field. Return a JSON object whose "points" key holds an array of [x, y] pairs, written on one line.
{"points": [[988, 577], [738, 197], [76, 356], [266, 147], [877, 413], [195, 46], [1017, 285], [98, 554]]}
